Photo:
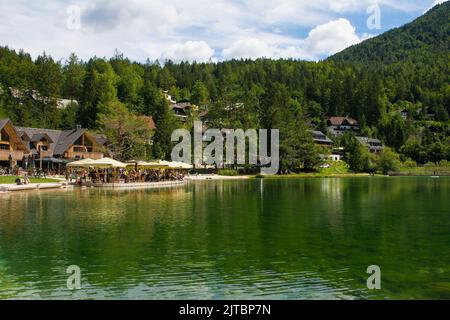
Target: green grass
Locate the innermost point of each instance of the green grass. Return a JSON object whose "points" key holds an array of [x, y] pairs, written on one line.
{"points": [[426, 170], [336, 169], [228, 172], [12, 180]]}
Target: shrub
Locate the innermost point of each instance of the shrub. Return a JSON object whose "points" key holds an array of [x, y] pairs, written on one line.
{"points": [[388, 161], [409, 163], [228, 172]]}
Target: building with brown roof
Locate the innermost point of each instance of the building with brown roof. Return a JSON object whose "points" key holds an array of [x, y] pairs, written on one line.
{"points": [[47, 145], [339, 125], [12, 147]]}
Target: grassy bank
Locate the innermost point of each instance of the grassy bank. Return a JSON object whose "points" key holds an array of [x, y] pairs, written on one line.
{"points": [[314, 175], [336, 169], [12, 180], [426, 171]]}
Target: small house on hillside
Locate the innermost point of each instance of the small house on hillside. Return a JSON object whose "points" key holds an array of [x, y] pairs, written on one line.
{"points": [[339, 125], [321, 139], [182, 110], [373, 145]]}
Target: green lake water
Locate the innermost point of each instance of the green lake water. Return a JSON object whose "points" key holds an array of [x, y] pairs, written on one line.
{"points": [[256, 239]]}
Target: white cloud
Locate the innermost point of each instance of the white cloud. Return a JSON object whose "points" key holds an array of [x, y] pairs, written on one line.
{"points": [[198, 51], [323, 40], [248, 48], [331, 38], [188, 30]]}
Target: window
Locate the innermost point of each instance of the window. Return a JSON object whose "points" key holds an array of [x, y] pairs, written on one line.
{"points": [[79, 142], [4, 136], [87, 142]]}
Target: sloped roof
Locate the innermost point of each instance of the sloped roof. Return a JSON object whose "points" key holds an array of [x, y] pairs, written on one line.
{"points": [[101, 139], [60, 140], [4, 122], [24, 134], [36, 132], [319, 136], [39, 136], [182, 105], [337, 121], [370, 143], [66, 139]]}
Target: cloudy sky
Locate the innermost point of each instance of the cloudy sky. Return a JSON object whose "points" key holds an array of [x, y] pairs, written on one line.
{"points": [[200, 30]]}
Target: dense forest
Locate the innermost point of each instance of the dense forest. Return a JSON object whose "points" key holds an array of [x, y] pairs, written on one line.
{"points": [[404, 69]]}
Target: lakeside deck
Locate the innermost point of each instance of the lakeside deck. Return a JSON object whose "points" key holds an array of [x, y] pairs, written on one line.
{"points": [[136, 185], [34, 186], [64, 185]]}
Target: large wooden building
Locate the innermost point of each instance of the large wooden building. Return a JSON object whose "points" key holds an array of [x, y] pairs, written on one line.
{"points": [[12, 148], [21, 144]]}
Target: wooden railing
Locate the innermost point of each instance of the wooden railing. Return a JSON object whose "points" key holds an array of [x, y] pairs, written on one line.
{"points": [[16, 155]]}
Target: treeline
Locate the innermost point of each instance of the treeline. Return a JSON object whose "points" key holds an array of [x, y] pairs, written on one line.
{"points": [[293, 96]]}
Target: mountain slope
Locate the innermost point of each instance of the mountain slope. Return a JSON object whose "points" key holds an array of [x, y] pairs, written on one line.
{"points": [[419, 41]]}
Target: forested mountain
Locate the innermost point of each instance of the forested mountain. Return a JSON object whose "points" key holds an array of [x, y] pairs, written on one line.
{"points": [[404, 69], [420, 41]]}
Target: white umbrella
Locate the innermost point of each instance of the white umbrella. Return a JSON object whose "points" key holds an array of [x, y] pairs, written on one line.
{"points": [[108, 163], [164, 163], [85, 163], [180, 165]]}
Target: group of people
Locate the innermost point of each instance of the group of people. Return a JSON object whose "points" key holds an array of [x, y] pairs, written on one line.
{"points": [[126, 176], [133, 176]]}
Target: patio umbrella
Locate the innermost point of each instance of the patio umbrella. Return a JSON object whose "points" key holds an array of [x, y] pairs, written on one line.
{"points": [[180, 165], [85, 163], [108, 163]]}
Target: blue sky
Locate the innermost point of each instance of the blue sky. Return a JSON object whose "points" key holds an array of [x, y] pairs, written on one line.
{"points": [[199, 30]]}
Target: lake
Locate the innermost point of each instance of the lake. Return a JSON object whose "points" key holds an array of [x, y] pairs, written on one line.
{"points": [[306, 238]]}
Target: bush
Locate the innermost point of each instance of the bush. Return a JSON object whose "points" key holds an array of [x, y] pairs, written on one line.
{"points": [[388, 161], [409, 163], [228, 172], [444, 163]]}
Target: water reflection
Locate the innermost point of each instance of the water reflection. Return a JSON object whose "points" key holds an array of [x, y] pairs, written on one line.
{"points": [[287, 238]]}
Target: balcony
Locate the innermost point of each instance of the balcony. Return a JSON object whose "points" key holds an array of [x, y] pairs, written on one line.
{"points": [[83, 155], [16, 155], [46, 154]]}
